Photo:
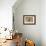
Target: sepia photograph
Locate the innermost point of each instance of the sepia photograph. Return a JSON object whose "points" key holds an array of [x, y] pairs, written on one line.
{"points": [[29, 19]]}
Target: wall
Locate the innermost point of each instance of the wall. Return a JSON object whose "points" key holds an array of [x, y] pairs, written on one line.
{"points": [[6, 13], [28, 7], [43, 22], [6, 19]]}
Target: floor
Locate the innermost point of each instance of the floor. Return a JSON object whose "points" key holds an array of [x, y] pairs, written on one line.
{"points": [[12, 42], [9, 43]]}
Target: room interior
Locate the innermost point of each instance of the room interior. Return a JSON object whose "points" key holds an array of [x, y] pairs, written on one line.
{"points": [[22, 23]]}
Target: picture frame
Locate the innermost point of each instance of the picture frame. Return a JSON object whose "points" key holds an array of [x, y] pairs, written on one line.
{"points": [[29, 19]]}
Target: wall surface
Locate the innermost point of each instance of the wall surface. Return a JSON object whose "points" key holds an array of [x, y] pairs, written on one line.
{"points": [[28, 7], [43, 22], [6, 13], [6, 18]]}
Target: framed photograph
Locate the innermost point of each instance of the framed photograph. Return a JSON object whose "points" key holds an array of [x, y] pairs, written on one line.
{"points": [[29, 19]]}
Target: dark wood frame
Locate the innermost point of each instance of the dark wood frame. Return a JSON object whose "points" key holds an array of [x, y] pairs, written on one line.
{"points": [[29, 23]]}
